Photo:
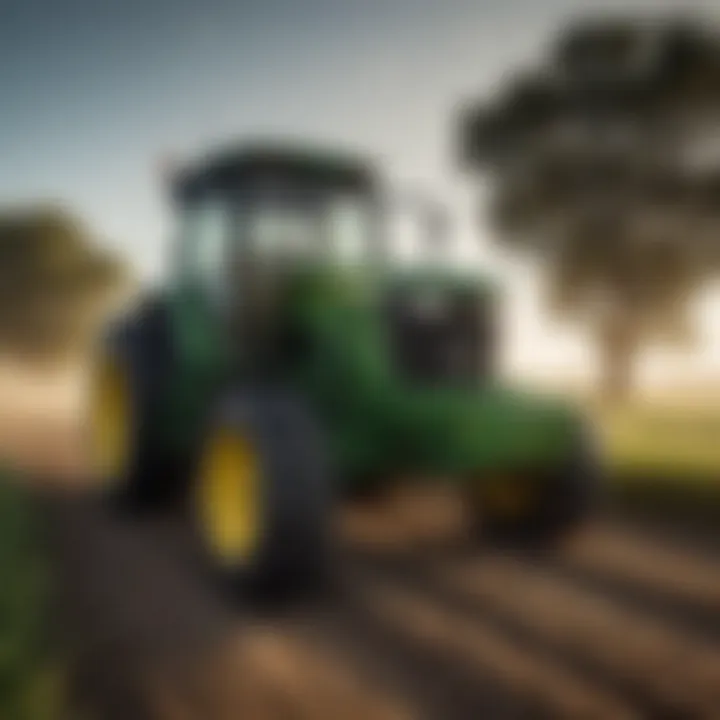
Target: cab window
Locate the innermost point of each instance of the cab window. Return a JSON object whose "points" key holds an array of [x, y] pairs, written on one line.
{"points": [[204, 233]]}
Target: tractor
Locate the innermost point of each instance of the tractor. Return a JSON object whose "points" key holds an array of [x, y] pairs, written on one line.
{"points": [[292, 360]]}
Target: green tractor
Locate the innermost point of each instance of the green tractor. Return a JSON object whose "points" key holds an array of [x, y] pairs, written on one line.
{"points": [[293, 360]]}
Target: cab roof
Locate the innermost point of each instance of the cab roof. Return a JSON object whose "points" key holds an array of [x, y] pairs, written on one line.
{"points": [[302, 163]]}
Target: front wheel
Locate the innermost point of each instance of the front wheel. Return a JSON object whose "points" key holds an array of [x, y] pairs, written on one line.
{"points": [[260, 504], [541, 508]]}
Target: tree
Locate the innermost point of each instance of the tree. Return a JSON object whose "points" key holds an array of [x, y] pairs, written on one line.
{"points": [[603, 162], [53, 281]]}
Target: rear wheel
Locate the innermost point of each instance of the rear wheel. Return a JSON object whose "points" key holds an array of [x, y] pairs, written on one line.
{"points": [[260, 504], [125, 393]]}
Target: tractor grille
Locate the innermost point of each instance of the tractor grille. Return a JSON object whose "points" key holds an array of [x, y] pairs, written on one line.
{"points": [[440, 336]]}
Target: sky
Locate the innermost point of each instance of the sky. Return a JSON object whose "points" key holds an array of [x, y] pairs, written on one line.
{"points": [[93, 95]]}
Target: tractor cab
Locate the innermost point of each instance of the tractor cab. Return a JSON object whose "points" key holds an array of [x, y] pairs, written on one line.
{"points": [[273, 210], [268, 207], [255, 223]]}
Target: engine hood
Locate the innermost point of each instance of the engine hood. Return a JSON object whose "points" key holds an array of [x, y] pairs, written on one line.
{"points": [[455, 432]]}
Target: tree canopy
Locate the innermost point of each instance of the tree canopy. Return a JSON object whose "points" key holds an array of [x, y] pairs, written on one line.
{"points": [[53, 280], [604, 162]]}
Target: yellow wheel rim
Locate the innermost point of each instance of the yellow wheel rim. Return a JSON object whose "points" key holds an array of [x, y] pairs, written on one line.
{"points": [[110, 421], [228, 496]]}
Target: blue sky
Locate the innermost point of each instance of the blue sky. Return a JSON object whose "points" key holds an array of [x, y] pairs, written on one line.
{"points": [[94, 92]]}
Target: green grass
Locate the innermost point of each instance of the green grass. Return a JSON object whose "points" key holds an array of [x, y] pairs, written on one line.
{"points": [[665, 441], [30, 683], [664, 458]]}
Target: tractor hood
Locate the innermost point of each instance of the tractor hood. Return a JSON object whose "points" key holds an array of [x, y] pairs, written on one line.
{"points": [[450, 427], [496, 427]]}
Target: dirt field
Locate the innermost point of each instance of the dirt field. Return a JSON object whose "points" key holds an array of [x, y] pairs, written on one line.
{"points": [[622, 623]]}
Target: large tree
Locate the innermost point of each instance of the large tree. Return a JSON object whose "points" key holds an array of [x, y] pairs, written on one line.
{"points": [[603, 161], [54, 280]]}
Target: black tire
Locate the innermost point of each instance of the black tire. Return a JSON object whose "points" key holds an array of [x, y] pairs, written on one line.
{"points": [[565, 501], [140, 347], [294, 554]]}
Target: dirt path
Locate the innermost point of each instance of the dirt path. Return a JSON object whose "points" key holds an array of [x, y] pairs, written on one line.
{"points": [[620, 624]]}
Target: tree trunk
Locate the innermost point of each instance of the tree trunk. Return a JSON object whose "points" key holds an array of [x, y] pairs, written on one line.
{"points": [[618, 349]]}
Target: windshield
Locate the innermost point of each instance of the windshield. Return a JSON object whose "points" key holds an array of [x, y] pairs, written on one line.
{"points": [[219, 233], [340, 228], [348, 229]]}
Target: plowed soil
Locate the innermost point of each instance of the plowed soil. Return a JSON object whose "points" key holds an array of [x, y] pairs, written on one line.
{"points": [[620, 622], [623, 621]]}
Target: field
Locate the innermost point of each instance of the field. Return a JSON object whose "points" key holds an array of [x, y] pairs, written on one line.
{"points": [[663, 438], [621, 622], [663, 454]]}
